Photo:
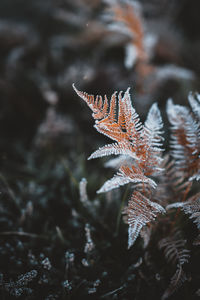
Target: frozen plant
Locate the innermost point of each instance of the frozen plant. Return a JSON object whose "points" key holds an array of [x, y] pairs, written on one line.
{"points": [[141, 143]]}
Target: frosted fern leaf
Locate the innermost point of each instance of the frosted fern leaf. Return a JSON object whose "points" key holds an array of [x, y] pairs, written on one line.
{"points": [[152, 128], [139, 145], [185, 137], [114, 149], [124, 176], [190, 207], [195, 104], [140, 211]]}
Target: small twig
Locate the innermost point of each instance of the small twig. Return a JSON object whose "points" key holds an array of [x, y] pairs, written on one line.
{"points": [[21, 233], [60, 235], [120, 211], [73, 179], [112, 292]]}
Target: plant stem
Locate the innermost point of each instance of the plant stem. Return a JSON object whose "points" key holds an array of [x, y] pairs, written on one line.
{"points": [[120, 211]]}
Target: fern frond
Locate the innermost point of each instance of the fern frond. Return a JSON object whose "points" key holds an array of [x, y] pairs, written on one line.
{"points": [[152, 141], [197, 241], [195, 104], [152, 128], [97, 105], [190, 207], [175, 253], [176, 282], [126, 18], [124, 176], [114, 149], [121, 128], [140, 146], [174, 250], [140, 211], [172, 184], [185, 142], [125, 128]]}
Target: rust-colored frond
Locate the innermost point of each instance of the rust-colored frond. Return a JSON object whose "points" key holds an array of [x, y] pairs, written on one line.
{"points": [[126, 13], [121, 125], [134, 173], [126, 126], [96, 104], [126, 18], [126, 175], [140, 143]]}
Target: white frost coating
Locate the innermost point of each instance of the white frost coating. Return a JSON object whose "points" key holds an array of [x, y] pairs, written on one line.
{"points": [[182, 119], [113, 183], [132, 118], [133, 232], [153, 126], [81, 94], [149, 42], [113, 149], [175, 205], [171, 71], [99, 128], [195, 104], [176, 113], [117, 162], [180, 116], [154, 119], [195, 177], [131, 55], [139, 214], [190, 207], [135, 143], [157, 207], [83, 190], [121, 28], [121, 179]]}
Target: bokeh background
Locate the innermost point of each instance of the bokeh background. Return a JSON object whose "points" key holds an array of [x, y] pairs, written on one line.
{"points": [[46, 135]]}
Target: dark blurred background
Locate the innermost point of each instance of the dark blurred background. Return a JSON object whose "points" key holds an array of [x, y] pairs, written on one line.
{"points": [[47, 45], [46, 135]]}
